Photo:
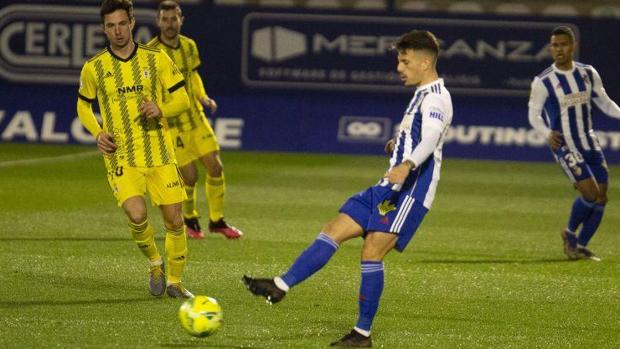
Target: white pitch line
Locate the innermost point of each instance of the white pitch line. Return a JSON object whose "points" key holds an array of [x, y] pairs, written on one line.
{"points": [[36, 161]]}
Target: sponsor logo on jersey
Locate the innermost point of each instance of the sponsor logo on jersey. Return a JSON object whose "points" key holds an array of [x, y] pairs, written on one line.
{"points": [[130, 89]]}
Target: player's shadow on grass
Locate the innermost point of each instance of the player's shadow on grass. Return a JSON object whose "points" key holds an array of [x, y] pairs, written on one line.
{"points": [[106, 239], [76, 239], [205, 344], [494, 261], [26, 303]]}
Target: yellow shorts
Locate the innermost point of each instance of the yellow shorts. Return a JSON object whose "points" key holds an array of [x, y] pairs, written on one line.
{"points": [[193, 144], [163, 183]]}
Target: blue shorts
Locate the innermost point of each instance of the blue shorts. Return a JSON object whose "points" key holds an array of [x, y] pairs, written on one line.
{"points": [[381, 209], [580, 166]]}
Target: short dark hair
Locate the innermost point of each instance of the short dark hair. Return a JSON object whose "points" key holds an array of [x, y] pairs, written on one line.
{"points": [[169, 5], [564, 30], [109, 6], [418, 40]]}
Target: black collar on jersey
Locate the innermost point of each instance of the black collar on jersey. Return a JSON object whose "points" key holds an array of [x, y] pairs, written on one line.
{"points": [[133, 53], [172, 47]]}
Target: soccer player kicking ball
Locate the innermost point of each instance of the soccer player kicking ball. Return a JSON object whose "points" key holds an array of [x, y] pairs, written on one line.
{"points": [[564, 92], [191, 133], [126, 80], [387, 214]]}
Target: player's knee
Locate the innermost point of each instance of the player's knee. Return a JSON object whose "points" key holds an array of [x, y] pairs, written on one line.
{"points": [[190, 181], [137, 217], [377, 245], [173, 223], [330, 230], [372, 253], [602, 199], [215, 169], [590, 195]]}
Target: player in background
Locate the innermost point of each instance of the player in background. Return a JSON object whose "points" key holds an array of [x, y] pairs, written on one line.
{"points": [[127, 79], [191, 133], [387, 214], [560, 108]]}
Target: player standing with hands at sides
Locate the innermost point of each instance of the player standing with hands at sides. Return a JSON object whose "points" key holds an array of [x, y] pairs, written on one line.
{"points": [[560, 108], [126, 79], [191, 133], [387, 214]]}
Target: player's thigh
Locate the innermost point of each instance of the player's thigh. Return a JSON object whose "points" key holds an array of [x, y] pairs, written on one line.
{"points": [[573, 165], [404, 221], [342, 228], [594, 169], [183, 148], [127, 182], [598, 165], [189, 173], [165, 185], [377, 245], [372, 208], [597, 162], [588, 188], [203, 140]]}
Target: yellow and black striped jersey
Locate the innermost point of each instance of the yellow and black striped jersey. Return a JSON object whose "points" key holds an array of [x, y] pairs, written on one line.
{"points": [[120, 86], [186, 57]]}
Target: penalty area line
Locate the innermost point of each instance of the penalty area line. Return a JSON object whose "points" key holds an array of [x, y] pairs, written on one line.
{"points": [[37, 161]]}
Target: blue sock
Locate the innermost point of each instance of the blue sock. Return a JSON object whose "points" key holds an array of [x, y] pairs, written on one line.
{"points": [[581, 210], [370, 292], [591, 224], [311, 260]]}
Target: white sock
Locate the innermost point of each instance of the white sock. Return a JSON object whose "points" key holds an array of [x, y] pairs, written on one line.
{"points": [[362, 332], [281, 284]]}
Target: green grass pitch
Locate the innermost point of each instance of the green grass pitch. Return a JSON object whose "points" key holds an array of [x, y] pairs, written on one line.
{"points": [[485, 270]]}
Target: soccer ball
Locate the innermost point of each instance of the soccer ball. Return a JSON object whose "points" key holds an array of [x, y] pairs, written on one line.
{"points": [[201, 316]]}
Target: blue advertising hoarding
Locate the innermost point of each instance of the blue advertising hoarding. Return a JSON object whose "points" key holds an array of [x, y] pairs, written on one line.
{"points": [[299, 82], [352, 53]]}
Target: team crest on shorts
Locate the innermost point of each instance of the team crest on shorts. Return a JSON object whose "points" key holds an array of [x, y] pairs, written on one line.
{"points": [[577, 171], [386, 207]]}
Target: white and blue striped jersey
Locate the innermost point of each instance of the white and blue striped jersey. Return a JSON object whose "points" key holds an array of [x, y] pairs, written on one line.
{"points": [[420, 135], [562, 101]]}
